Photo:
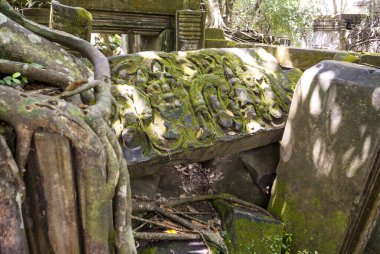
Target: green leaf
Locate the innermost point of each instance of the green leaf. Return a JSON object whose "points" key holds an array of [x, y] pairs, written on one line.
{"points": [[25, 79], [2, 81], [16, 75], [8, 81], [16, 81]]}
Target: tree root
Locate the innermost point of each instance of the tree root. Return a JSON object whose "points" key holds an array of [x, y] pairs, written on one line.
{"points": [[101, 168], [52, 77], [102, 175]]}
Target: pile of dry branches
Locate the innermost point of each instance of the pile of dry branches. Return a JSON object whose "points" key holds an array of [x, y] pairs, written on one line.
{"points": [[366, 36]]}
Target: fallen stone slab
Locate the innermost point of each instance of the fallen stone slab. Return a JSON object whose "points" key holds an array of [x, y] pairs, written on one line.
{"points": [[192, 106], [328, 177], [261, 163], [233, 178]]}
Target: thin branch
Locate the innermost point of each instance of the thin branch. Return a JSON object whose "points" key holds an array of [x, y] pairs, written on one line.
{"points": [[232, 199], [163, 225], [164, 236], [82, 88]]}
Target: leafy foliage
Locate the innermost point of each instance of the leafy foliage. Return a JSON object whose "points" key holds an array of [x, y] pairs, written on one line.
{"points": [[15, 80], [283, 18]]}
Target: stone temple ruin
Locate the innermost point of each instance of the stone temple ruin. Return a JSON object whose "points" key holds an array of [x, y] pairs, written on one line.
{"points": [[205, 104]]}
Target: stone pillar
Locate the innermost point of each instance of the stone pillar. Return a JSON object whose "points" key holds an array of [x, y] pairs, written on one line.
{"points": [[190, 27], [74, 20], [329, 33]]}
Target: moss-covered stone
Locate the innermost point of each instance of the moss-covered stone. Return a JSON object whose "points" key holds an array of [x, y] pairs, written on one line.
{"points": [[214, 34], [74, 20], [172, 102], [294, 75], [248, 232], [371, 59], [349, 57], [216, 43], [182, 247]]}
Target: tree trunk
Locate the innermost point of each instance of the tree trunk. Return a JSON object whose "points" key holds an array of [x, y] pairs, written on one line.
{"points": [[229, 11], [214, 16]]}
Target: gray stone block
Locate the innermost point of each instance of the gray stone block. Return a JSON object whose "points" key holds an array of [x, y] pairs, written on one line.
{"points": [[326, 189]]}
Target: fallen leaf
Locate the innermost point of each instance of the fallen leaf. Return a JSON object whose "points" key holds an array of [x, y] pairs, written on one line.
{"points": [[199, 133], [230, 113], [170, 231]]}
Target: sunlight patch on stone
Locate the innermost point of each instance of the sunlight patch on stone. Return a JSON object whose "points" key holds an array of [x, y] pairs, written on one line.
{"points": [[358, 162], [287, 142], [335, 118], [322, 159], [376, 98], [315, 103]]}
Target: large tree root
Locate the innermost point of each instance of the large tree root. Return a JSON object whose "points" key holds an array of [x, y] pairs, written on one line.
{"points": [[102, 174], [101, 168]]}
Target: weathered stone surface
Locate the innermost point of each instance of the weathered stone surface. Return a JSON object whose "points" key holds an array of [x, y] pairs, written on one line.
{"points": [[235, 179], [248, 232], [262, 163], [178, 247], [194, 106], [371, 59], [137, 6], [52, 194], [146, 186], [302, 58], [326, 190], [74, 20], [214, 33]]}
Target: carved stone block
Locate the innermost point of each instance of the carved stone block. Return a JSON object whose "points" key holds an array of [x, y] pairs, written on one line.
{"points": [[190, 29]]}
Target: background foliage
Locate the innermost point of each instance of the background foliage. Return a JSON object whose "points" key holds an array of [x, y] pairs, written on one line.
{"points": [[282, 18]]}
